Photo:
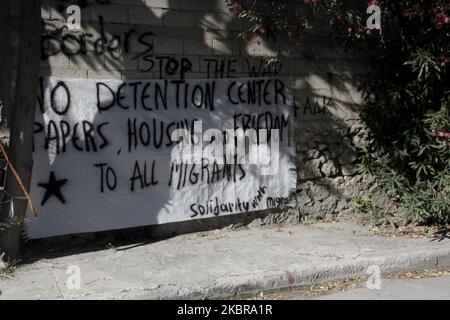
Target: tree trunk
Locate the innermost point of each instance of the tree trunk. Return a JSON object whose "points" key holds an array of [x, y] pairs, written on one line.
{"points": [[22, 120], [5, 65]]}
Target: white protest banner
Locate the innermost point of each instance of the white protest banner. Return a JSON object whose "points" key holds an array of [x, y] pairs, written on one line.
{"points": [[111, 154]]}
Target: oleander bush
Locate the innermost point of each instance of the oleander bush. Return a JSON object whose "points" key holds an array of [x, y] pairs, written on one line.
{"points": [[407, 107]]}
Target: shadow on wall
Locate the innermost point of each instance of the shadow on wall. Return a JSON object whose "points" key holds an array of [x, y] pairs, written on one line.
{"points": [[198, 39]]}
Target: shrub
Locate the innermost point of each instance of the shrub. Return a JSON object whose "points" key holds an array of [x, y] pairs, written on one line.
{"points": [[407, 105]]}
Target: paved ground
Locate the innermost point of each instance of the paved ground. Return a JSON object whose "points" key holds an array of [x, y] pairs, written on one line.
{"points": [[421, 289], [223, 262]]}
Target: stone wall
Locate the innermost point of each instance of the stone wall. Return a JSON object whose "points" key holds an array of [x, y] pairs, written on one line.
{"points": [[198, 39]]}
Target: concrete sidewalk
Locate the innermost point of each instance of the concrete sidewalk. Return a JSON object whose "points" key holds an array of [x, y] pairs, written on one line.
{"points": [[224, 262]]}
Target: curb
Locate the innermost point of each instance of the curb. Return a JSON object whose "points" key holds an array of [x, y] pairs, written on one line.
{"points": [[229, 286]]}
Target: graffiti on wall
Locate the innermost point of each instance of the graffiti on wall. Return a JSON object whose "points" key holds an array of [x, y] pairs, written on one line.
{"points": [[164, 66], [113, 154]]}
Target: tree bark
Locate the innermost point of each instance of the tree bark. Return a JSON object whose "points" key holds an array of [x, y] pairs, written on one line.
{"points": [[22, 120], [5, 64]]}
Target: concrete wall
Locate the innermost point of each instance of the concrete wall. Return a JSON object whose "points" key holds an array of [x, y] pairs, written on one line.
{"points": [[325, 80]]}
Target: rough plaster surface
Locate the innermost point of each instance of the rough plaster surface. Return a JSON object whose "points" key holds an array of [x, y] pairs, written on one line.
{"points": [[224, 262]]}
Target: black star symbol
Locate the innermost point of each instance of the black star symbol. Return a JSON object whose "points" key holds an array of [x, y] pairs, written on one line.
{"points": [[53, 187]]}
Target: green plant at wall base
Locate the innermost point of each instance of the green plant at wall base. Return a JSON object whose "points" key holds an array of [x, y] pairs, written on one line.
{"points": [[13, 222], [8, 267], [363, 205], [414, 169], [407, 105], [369, 212]]}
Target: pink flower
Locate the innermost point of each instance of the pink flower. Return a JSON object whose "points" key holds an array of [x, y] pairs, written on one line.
{"points": [[236, 7], [262, 30], [442, 137], [440, 19], [300, 31], [443, 134], [445, 60], [373, 2], [439, 24], [309, 1]]}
